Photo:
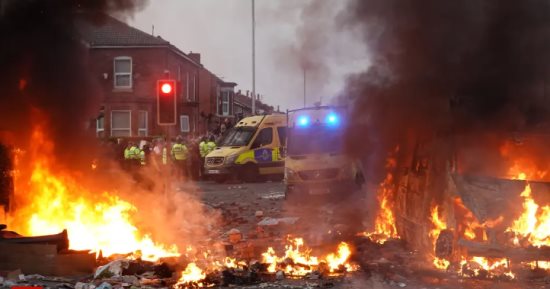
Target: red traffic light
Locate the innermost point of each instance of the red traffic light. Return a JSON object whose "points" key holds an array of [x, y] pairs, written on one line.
{"points": [[166, 102], [166, 88]]}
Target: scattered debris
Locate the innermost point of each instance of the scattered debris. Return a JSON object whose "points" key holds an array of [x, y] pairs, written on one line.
{"points": [[278, 221]]}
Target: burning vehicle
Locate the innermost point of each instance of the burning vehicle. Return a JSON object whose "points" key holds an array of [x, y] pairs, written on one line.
{"points": [[486, 198]]}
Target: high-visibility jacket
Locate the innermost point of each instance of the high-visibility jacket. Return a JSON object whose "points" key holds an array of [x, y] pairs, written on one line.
{"points": [[132, 153], [164, 156], [179, 152], [211, 146], [142, 158], [127, 153], [203, 148]]}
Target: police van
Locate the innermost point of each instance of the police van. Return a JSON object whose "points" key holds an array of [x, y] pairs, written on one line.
{"points": [[315, 160], [251, 150]]}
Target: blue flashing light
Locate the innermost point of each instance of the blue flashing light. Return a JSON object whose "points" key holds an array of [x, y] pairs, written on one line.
{"points": [[303, 120], [332, 119]]}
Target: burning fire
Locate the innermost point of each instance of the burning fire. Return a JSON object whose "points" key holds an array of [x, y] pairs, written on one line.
{"points": [[297, 260], [192, 276], [438, 225], [98, 222], [384, 226], [534, 223], [469, 266]]}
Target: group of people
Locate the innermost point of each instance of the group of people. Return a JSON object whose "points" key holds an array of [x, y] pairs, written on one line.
{"points": [[181, 158]]}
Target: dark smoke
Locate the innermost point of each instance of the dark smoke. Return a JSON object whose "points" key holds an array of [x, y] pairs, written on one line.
{"points": [[449, 67], [43, 67]]}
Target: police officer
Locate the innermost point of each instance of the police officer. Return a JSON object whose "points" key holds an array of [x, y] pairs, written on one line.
{"points": [[179, 155], [211, 144], [203, 147]]}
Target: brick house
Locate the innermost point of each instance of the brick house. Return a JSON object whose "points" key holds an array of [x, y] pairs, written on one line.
{"points": [[242, 105], [128, 62]]}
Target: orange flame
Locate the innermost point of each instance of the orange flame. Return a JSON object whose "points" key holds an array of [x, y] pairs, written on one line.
{"points": [[534, 222], [438, 225], [384, 226], [191, 275], [302, 262], [98, 222]]}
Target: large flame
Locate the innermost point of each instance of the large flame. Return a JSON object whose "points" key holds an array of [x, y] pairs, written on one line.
{"points": [[534, 222], [94, 221], [384, 226]]}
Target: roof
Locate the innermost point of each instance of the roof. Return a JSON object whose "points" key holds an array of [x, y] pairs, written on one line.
{"points": [[246, 101], [113, 32]]}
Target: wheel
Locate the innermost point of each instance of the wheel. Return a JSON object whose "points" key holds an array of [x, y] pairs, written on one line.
{"points": [[444, 244], [250, 173]]}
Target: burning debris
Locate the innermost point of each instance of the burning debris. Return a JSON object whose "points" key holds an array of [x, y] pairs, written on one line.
{"points": [[297, 262]]}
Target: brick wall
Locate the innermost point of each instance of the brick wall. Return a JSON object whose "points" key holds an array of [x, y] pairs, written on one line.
{"points": [[148, 65]]}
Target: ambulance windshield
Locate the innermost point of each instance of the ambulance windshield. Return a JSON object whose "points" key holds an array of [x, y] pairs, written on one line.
{"points": [[314, 140], [238, 136]]}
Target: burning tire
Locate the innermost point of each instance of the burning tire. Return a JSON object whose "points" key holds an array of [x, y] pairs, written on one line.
{"points": [[444, 244]]}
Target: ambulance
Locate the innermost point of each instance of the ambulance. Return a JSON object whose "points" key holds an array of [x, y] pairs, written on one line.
{"points": [[315, 162], [251, 150]]}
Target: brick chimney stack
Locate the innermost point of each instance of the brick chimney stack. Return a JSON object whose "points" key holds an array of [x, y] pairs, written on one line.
{"points": [[195, 57]]}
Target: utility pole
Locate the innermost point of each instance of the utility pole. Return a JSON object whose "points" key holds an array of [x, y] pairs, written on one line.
{"points": [[253, 58]]}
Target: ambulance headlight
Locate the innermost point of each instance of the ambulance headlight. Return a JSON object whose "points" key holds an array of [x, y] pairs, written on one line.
{"points": [[231, 159]]}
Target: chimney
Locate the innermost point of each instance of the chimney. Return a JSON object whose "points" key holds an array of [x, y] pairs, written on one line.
{"points": [[195, 57], [247, 92]]}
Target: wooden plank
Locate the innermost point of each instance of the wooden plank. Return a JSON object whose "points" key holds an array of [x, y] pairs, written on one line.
{"points": [[44, 260]]}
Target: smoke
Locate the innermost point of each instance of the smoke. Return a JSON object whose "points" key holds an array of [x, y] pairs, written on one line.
{"points": [[43, 67], [447, 66], [307, 36]]}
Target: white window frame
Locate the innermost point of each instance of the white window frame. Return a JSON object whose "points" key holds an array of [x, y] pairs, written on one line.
{"points": [[121, 110], [225, 102], [99, 129], [146, 129], [191, 94], [182, 117], [115, 74]]}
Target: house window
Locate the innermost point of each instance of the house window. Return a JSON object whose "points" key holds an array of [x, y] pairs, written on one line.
{"points": [[225, 103], [191, 87], [121, 123], [100, 126], [142, 123], [184, 123], [123, 72]]}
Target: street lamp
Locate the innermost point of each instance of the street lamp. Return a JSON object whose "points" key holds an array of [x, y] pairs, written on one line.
{"points": [[253, 59]]}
